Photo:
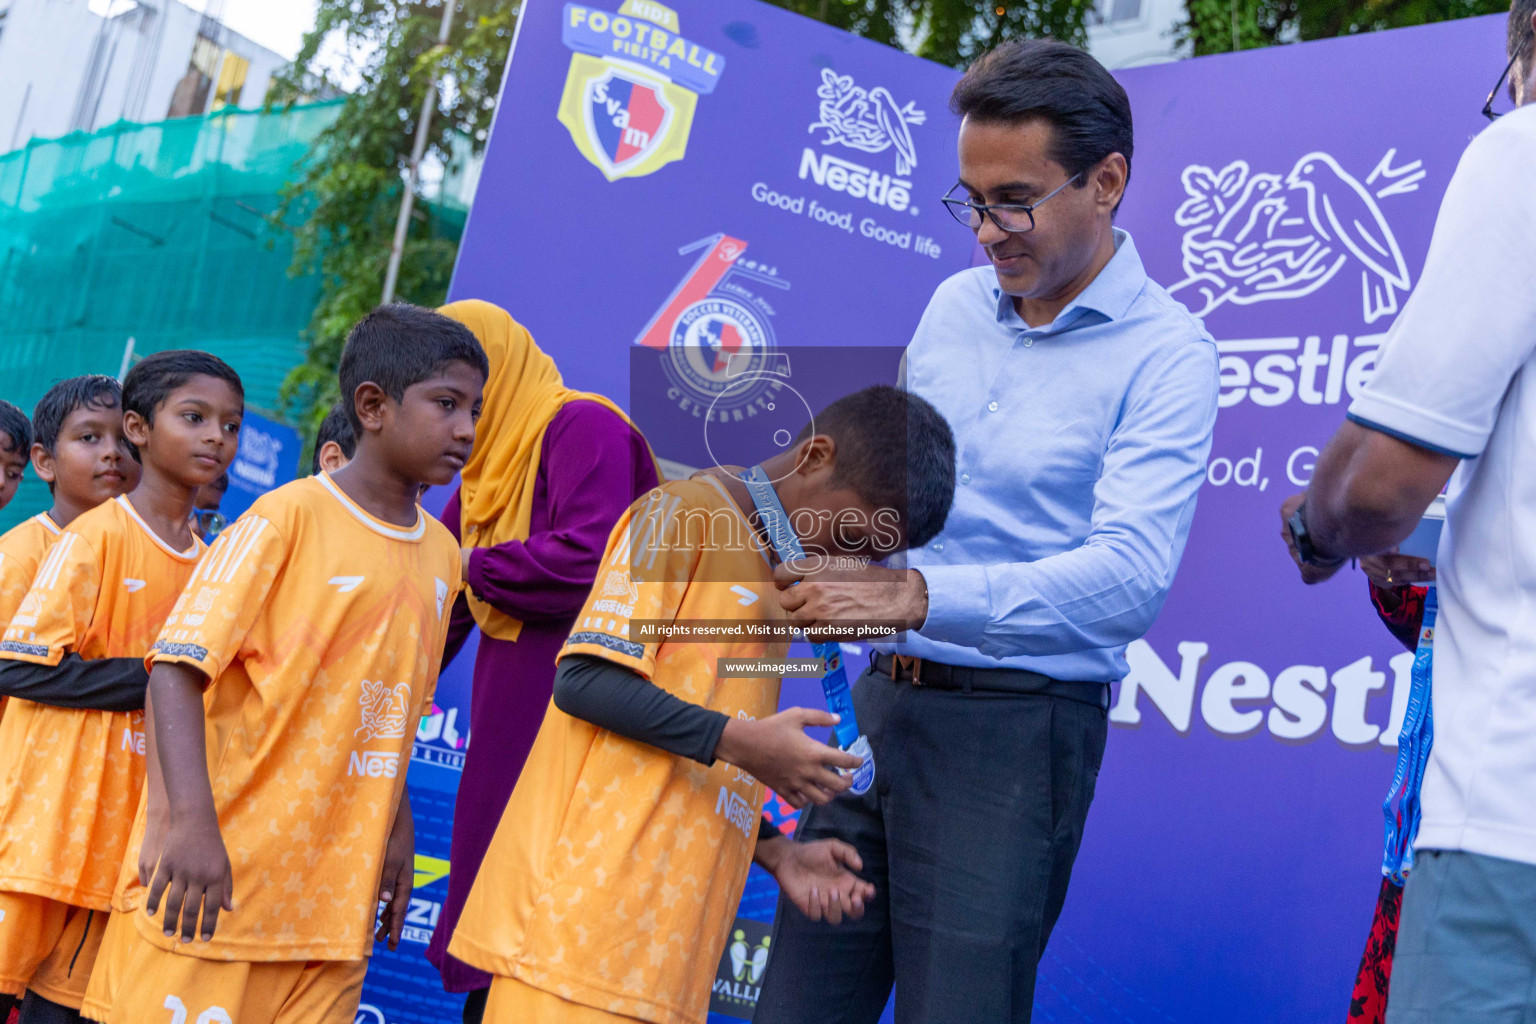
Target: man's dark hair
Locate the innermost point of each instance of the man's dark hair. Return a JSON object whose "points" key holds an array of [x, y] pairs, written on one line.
{"points": [[336, 426], [1521, 41], [17, 428], [221, 484], [894, 450], [1029, 79], [151, 382], [92, 391], [398, 345]]}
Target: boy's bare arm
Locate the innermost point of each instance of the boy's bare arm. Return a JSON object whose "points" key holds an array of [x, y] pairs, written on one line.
{"points": [[399, 875], [156, 811], [194, 873]]}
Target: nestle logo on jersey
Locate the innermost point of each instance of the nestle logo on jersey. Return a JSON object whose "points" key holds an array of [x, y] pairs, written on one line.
{"points": [[373, 764], [735, 810]]}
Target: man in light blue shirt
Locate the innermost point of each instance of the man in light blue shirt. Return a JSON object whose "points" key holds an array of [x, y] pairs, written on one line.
{"points": [[1082, 398]]}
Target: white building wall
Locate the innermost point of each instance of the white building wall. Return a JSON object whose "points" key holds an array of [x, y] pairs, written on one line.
{"points": [[65, 68], [1128, 33]]}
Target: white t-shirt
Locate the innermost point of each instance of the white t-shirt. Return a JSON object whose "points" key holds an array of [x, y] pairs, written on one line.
{"points": [[1456, 375]]}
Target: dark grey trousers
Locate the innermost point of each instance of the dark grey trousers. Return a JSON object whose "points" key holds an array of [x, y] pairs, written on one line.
{"points": [[968, 835]]}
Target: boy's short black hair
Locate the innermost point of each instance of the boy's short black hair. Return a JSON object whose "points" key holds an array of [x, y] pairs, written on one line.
{"points": [[398, 345], [894, 450], [92, 391], [337, 426], [1027, 79], [17, 429], [151, 382]]}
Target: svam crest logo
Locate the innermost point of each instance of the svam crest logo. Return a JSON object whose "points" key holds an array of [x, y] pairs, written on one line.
{"points": [[632, 86]]}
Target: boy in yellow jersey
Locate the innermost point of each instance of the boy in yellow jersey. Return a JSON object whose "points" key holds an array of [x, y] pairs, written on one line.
{"points": [[72, 776], [78, 450], [286, 688], [15, 443], [611, 885]]}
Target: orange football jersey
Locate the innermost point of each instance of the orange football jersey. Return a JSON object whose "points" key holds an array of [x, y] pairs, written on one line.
{"points": [[614, 876], [322, 629], [69, 779], [21, 552]]}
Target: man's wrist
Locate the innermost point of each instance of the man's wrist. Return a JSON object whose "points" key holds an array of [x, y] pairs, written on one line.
{"points": [[917, 599], [1306, 544], [770, 853]]}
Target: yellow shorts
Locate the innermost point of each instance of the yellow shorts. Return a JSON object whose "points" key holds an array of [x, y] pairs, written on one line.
{"points": [[159, 987], [47, 946], [513, 1002], [117, 945]]}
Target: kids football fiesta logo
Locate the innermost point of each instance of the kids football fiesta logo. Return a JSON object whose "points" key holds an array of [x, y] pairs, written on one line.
{"points": [[632, 86]]}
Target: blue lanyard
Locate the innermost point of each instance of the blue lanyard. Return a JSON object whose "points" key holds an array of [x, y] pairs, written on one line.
{"points": [[1413, 746], [834, 679]]}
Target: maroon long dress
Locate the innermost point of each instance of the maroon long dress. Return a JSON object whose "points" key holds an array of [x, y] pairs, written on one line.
{"points": [[593, 465]]}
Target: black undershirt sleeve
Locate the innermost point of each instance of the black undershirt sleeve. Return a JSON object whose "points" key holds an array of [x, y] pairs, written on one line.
{"points": [[614, 698], [98, 684]]}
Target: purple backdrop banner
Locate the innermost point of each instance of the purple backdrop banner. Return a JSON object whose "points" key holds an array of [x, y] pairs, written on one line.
{"points": [[722, 177]]}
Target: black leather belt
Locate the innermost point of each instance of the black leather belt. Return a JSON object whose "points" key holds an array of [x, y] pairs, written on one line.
{"points": [[939, 676]]}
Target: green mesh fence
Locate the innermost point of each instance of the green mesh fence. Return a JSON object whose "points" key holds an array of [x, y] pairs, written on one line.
{"points": [[154, 233]]}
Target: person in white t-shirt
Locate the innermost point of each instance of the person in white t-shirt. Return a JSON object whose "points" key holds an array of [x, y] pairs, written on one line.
{"points": [[1454, 399]]}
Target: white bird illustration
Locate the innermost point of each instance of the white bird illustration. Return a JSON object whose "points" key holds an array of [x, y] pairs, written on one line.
{"points": [[1341, 208], [867, 120], [893, 120]]}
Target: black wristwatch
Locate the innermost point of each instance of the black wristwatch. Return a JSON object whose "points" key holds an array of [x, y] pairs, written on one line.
{"points": [[1309, 555]]}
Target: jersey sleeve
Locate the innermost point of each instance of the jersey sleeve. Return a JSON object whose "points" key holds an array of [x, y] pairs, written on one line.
{"points": [[448, 602], [645, 571], [223, 599], [16, 572], [60, 605]]}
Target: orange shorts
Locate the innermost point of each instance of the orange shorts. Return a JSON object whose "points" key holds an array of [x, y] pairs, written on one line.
{"points": [[160, 987], [514, 1002], [47, 946], [117, 943]]}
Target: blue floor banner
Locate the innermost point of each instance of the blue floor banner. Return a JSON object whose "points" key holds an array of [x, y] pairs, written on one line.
{"points": [[674, 191]]}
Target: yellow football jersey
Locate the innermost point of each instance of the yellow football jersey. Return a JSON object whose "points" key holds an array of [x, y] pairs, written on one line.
{"points": [[21, 552], [614, 875], [69, 779], [322, 629]]}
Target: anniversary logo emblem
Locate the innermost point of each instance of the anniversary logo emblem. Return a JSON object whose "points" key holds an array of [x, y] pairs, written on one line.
{"points": [[632, 86]]}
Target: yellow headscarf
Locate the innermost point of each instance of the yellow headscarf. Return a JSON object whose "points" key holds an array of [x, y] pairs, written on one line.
{"points": [[522, 395]]}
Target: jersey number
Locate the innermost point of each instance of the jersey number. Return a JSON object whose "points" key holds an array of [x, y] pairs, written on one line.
{"points": [[212, 1015]]}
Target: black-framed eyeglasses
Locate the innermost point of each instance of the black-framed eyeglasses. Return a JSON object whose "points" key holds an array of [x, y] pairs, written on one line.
{"points": [[208, 522], [1488, 110], [1014, 218]]}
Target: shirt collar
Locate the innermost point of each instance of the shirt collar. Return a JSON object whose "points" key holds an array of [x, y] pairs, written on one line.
{"points": [[1110, 294]]}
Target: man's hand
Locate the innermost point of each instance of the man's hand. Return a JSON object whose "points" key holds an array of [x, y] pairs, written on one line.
{"points": [[886, 600], [778, 752], [1310, 574], [818, 877], [1392, 571], [399, 876], [193, 875]]}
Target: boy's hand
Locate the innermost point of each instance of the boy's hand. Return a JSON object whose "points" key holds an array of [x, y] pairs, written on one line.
{"points": [[399, 876], [155, 825], [818, 877], [792, 764], [193, 875]]}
